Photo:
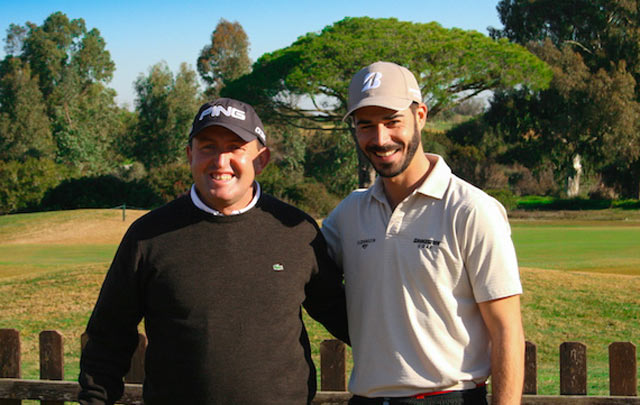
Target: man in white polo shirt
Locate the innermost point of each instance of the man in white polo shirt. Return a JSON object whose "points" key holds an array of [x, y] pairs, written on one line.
{"points": [[430, 270]]}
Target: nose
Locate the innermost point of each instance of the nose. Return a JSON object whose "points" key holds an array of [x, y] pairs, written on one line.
{"points": [[380, 135], [221, 159]]}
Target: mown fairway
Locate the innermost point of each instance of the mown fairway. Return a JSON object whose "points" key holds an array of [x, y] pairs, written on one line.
{"points": [[581, 280], [595, 246]]}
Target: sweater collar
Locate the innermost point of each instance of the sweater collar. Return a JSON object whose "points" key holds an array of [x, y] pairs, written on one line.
{"points": [[204, 207]]}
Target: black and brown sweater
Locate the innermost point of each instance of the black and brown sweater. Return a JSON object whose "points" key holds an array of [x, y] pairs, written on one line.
{"points": [[221, 300]]}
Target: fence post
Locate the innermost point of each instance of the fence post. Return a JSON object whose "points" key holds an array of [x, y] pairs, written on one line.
{"points": [[9, 359], [51, 359], [136, 370], [333, 361], [530, 369], [623, 369], [573, 368], [135, 375]]}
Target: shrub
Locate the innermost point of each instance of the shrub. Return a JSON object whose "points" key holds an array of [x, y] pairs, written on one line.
{"points": [[505, 196], [331, 159], [170, 181], [304, 192], [24, 184], [100, 192], [313, 197], [626, 204], [569, 204]]}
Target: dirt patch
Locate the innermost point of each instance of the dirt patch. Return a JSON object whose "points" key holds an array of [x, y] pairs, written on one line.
{"points": [[87, 227]]}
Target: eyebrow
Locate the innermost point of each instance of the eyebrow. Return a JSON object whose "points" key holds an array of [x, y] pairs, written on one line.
{"points": [[385, 118]]}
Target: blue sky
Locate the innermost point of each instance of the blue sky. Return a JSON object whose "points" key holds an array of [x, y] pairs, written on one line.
{"points": [[141, 33]]}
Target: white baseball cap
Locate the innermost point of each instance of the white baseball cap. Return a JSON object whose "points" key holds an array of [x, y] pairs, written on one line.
{"points": [[383, 84]]}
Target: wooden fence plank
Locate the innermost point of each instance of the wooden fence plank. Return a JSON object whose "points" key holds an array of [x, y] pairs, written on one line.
{"points": [[9, 359], [530, 369], [58, 391], [623, 369], [577, 400], [84, 338], [68, 391], [333, 366], [136, 370], [573, 368], [51, 359], [573, 371]]}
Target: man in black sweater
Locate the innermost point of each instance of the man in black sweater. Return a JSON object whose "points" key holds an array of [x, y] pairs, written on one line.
{"points": [[219, 277]]}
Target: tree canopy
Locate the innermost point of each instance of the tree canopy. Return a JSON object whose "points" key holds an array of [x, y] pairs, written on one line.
{"points": [[306, 84], [451, 65], [226, 58], [602, 31], [59, 68], [591, 109], [165, 107]]}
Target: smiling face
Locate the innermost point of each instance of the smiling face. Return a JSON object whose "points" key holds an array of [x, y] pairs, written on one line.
{"points": [[389, 138], [224, 167]]}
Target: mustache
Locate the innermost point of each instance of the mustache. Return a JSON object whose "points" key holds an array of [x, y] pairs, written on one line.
{"points": [[383, 148]]}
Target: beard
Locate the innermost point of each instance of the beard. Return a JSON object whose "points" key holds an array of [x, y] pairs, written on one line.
{"points": [[389, 169]]}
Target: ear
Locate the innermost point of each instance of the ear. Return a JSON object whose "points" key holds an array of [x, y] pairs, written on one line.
{"points": [[421, 114], [189, 156], [261, 160]]}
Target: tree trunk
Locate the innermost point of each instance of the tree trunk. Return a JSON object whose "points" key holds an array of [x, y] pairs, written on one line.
{"points": [[573, 182], [366, 172]]}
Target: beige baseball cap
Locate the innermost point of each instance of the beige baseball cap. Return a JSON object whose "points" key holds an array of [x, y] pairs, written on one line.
{"points": [[383, 84]]}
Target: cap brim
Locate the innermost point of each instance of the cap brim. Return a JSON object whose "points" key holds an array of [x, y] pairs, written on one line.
{"points": [[397, 104], [241, 132]]}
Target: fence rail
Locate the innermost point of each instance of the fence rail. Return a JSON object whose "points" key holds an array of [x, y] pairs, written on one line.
{"points": [[50, 390]]}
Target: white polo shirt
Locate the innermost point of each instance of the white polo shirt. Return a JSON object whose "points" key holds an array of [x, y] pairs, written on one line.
{"points": [[413, 279]]}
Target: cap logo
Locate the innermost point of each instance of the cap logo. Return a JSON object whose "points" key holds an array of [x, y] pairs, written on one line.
{"points": [[260, 132], [216, 110], [372, 81]]}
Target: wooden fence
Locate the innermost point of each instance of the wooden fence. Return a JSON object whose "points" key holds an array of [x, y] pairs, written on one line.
{"points": [[51, 390]]}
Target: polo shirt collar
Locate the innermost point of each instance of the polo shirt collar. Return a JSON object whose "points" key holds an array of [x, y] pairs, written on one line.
{"points": [[204, 207], [437, 183], [433, 186]]}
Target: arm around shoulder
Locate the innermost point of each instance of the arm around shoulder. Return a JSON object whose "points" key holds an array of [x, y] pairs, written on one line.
{"points": [[325, 295]]}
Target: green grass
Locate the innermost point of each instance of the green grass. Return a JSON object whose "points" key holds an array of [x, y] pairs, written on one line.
{"points": [[605, 248], [25, 258], [46, 300], [582, 287], [17, 224], [576, 203], [581, 279]]}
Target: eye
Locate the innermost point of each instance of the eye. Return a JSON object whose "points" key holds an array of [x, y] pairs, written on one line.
{"points": [[236, 148]]}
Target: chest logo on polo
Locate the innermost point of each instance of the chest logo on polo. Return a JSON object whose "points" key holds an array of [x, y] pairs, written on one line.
{"points": [[363, 243], [426, 243], [277, 267]]}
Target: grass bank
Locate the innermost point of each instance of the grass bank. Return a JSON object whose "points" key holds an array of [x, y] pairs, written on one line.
{"points": [[581, 277]]}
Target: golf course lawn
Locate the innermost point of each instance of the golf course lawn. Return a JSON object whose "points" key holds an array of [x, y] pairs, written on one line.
{"points": [[581, 281]]}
